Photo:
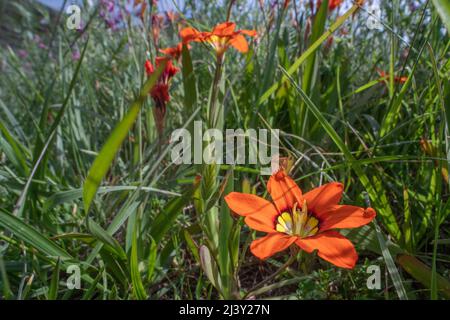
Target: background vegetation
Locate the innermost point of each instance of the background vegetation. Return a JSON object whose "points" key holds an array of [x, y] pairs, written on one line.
{"points": [[161, 231]]}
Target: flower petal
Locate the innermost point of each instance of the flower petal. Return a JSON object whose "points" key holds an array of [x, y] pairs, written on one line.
{"points": [[250, 33], [245, 204], [323, 197], [263, 221], [284, 191], [239, 42], [344, 216], [272, 243], [190, 34], [224, 29], [332, 247]]}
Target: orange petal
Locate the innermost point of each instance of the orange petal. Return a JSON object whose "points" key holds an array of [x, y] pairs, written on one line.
{"points": [[267, 246], [190, 34], [344, 216], [224, 29], [239, 43], [263, 221], [332, 247], [321, 198], [245, 204], [250, 33], [284, 191]]}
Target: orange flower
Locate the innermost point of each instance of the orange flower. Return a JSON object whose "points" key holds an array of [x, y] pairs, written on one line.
{"points": [[333, 4], [385, 75], [160, 92], [173, 52], [157, 25], [307, 220], [221, 37]]}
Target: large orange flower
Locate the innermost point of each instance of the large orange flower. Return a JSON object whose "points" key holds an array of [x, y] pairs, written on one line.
{"points": [[221, 37], [307, 220]]}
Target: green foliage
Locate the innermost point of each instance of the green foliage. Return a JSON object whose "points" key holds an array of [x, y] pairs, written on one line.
{"points": [[86, 180]]}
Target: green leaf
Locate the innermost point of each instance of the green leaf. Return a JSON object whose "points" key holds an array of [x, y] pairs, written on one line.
{"points": [[5, 281], [209, 266], [224, 244], [16, 155], [376, 192], [138, 287], [75, 194], [300, 60], [53, 290], [108, 152], [152, 260], [165, 220], [390, 264], [443, 9], [318, 27], [190, 91], [31, 236], [110, 243], [192, 245], [422, 273]]}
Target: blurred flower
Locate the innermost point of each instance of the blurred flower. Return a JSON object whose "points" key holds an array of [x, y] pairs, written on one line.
{"points": [[333, 4], [76, 55], [173, 52], [111, 12], [160, 92], [308, 220], [157, 23], [385, 75], [22, 54], [221, 37], [143, 7]]}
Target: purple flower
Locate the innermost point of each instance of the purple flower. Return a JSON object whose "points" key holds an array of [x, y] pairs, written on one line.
{"points": [[22, 54], [76, 55]]}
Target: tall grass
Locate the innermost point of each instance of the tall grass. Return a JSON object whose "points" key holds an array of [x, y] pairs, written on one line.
{"points": [[85, 180]]}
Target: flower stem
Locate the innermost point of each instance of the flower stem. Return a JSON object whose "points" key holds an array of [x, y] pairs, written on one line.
{"points": [[213, 117]]}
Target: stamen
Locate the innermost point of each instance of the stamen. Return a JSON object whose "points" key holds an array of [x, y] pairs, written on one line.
{"points": [[297, 222]]}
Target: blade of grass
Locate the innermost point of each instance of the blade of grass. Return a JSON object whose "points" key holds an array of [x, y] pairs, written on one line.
{"points": [[300, 60], [54, 283], [105, 157], [31, 236], [377, 195], [138, 287]]}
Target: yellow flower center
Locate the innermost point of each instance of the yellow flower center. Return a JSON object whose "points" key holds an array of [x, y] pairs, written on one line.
{"points": [[298, 222], [220, 44]]}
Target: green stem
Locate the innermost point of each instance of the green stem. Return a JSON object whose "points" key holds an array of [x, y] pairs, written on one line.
{"points": [[215, 89]]}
